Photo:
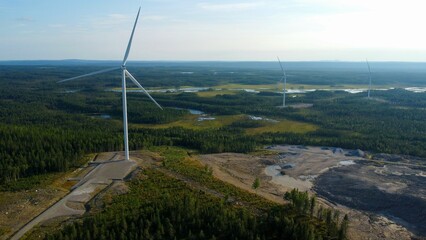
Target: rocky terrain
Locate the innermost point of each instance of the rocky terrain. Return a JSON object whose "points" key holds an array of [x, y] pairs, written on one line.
{"points": [[384, 195]]}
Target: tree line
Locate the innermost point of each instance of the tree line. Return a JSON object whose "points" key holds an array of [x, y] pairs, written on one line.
{"points": [[45, 129], [159, 207]]}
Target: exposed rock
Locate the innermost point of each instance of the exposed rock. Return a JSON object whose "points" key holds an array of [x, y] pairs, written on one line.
{"points": [[356, 153], [337, 151]]}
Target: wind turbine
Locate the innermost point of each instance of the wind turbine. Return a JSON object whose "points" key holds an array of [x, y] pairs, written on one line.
{"points": [[284, 77], [124, 73], [369, 71]]}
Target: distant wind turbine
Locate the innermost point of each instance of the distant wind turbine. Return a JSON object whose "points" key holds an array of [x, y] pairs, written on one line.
{"points": [[283, 78], [369, 75], [123, 86]]}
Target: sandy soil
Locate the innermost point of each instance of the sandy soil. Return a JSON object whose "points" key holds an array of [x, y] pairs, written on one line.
{"points": [[242, 169], [301, 166]]}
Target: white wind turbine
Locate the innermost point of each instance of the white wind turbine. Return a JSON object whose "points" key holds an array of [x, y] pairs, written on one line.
{"points": [[284, 77], [369, 72], [123, 86]]}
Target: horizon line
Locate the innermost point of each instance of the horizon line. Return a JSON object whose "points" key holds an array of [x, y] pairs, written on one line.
{"points": [[183, 61]]}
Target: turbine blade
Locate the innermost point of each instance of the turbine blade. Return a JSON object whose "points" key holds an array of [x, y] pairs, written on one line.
{"points": [[143, 89], [368, 64], [369, 76], [89, 74], [280, 64], [282, 68], [129, 45]]}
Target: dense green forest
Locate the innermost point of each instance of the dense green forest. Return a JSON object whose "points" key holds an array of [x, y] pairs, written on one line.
{"points": [[46, 127], [391, 124], [159, 207]]}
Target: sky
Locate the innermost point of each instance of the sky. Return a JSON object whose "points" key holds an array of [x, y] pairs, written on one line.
{"points": [[232, 30]]}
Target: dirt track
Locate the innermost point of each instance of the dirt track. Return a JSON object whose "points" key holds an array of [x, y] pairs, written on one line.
{"points": [[107, 167]]}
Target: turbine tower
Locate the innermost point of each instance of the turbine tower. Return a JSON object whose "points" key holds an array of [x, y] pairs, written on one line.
{"points": [[369, 75], [124, 73], [283, 78]]}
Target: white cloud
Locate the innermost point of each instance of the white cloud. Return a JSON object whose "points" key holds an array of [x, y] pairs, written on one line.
{"points": [[230, 6]]}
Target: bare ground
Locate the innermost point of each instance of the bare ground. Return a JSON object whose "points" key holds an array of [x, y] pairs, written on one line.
{"points": [[241, 170], [307, 164]]}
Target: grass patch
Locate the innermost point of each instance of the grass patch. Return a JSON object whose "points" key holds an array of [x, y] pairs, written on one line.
{"points": [[29, 182], [3, 231], [244, 86], [266, 87], [191, 122], [283, 126], [215, 93]]}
